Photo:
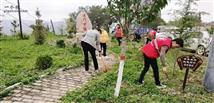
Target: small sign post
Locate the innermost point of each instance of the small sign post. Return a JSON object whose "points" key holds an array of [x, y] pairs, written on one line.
{"points": [[188, 62]]}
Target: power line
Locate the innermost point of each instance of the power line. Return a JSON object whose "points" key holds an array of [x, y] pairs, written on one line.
{"points": [[21, 9], [16, 19], [9, 2]]}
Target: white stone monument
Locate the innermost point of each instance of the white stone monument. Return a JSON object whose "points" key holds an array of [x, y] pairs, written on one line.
{"points": [[83, 22]]}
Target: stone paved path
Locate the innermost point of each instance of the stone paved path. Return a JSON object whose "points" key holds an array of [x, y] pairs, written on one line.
{"points": [[51, 89]]}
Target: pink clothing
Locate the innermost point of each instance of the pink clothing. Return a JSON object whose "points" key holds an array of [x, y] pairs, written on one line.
{"points": [[152, 51], [118, 33]]}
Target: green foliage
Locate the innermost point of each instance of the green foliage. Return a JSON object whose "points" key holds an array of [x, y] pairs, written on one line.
{"points": [[75, 49], [39, 32], [156, 22], [211, 30], [71, 25], [99, 15], [15, 25], [188, 18], [60, 43], [44, 62], [101, 88], [18, 59], [135, 10]]}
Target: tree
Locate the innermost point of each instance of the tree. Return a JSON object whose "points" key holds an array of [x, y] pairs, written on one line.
{"points": [[15, 25], [71, 24], [129, 11], [188, 18], [211, 30], [1, 28], [61, 29], [39, 31], [99, 15], [47, 28], [135, 10], [156, 22]]}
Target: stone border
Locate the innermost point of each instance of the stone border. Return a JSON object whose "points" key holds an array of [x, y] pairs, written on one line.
{"points": [[7, 90]]}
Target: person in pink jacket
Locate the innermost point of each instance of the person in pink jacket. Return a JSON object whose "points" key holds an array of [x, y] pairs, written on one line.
{"points": [[118, 33]]}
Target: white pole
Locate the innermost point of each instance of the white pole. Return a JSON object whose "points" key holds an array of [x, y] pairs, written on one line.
{"points": [[121, 66], [119, 79]]}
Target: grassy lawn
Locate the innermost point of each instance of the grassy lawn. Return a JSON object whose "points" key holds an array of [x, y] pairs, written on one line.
{"points": [[101, 89], [18, 57]]}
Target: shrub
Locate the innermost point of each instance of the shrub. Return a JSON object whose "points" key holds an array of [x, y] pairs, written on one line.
{"points": [[60, 43], [44, 62], [39, 32], [75, 49], [70, 36]]}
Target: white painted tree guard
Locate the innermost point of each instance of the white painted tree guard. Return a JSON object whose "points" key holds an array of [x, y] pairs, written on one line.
{"points": [[119, 78]]}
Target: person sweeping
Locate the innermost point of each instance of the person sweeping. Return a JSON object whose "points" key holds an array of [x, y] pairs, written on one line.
{"points": [[154, 49], [91, 43]]}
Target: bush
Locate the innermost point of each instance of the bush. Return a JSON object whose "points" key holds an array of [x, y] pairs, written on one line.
{"points": [[70, 36], [60, 43], [39, 32], [75, 49], [44, 62]]}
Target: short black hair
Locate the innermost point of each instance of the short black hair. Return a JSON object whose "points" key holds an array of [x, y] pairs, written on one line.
{"points": [[100, 31], [179, 41]]}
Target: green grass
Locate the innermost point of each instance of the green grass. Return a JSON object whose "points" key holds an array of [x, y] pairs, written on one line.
{"points": [[18, 58], [101, 89]]}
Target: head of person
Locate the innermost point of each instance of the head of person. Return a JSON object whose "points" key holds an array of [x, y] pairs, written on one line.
{"points": [[118, 26], [99, 30], [177, 43], [152, 34]]}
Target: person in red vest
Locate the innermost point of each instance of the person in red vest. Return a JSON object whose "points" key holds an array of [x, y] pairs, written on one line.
{"points": [[118, 33], [154, 49]]}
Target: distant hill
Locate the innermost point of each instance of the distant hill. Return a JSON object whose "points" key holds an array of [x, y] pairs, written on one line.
{"points": [[27, 30]]}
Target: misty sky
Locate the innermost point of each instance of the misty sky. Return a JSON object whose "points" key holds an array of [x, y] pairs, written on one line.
{"points": [[58, 10]]}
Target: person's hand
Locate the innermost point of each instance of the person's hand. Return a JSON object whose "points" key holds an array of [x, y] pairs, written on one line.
{"points": [[164, 69], [100, 53], [140, 49]]}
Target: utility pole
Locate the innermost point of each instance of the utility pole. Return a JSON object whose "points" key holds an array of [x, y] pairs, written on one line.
{"points": [[20, 20], [53, 27]]}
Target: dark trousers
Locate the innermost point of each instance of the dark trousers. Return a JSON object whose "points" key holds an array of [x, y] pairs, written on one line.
{"points": [[119, 40], [147, 62], [88, 48], [103, 48]]}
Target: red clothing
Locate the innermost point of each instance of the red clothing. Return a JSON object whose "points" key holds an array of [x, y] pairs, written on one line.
{"points": [[118, 33], [152, 34], [150, 49]]}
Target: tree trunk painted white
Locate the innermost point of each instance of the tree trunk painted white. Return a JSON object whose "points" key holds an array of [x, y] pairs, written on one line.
{"points": [[119, 78], [209, 74], [121, 67]]}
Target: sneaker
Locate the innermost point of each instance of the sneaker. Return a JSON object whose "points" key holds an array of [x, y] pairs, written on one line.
{"points": [[161, 86], [96, 71], [89, 72], [142, 82]]}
